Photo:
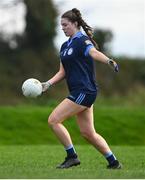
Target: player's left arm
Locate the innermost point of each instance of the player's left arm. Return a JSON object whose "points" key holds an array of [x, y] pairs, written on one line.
{"points": [[60, 75], [99, 56]]}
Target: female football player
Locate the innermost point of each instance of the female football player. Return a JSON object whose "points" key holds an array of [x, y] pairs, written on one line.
{"points": [[77, 67]]}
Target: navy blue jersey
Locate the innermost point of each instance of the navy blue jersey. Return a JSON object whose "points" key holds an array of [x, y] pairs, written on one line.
{"points": [[78, 65]]}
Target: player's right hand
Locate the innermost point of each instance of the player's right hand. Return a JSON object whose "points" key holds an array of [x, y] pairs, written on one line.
{"points": [[113, 65]]}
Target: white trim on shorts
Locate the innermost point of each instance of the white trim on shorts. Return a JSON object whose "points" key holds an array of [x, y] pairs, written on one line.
{"points": [[80, 98]]}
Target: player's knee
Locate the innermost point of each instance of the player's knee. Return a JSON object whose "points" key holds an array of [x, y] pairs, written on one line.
{"points": [[52, 120], [86, 134]]}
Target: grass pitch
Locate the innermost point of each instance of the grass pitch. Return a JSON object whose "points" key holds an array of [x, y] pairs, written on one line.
{"points": [[39, 161], [28, 148], [27, 125]]}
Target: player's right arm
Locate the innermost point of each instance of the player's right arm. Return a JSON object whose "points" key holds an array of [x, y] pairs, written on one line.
{"points": [[55, 79], [99, 56]]}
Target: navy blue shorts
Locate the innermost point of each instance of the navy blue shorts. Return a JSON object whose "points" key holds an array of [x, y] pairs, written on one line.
{"points": [[83, 98]]}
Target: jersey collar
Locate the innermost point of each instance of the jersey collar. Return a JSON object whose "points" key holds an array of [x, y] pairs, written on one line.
{"points": [[77, 35]]}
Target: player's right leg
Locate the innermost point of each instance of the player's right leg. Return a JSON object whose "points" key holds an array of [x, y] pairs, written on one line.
{"points": [[64, 110]]}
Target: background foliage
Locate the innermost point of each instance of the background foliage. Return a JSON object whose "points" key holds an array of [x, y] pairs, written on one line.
{"points": [[36, 56]]}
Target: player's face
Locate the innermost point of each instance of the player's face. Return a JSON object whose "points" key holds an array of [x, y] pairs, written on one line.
{"points": [[68, 27]]}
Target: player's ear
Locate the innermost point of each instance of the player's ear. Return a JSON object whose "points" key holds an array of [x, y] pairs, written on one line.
{"points": [[76, 24]]}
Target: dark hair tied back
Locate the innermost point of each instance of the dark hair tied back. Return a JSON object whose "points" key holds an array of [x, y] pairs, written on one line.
{"points": [[76, 11], [74, 15], [88, 30]]}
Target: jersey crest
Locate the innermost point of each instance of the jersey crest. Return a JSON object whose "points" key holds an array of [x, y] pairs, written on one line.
{"points": [[70, 51]]}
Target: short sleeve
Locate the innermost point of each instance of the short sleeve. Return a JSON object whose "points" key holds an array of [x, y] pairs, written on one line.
{"points": [[85, 45]]}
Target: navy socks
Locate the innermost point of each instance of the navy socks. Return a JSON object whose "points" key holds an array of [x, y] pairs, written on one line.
{"points": [[110, 157], [70, 150]]}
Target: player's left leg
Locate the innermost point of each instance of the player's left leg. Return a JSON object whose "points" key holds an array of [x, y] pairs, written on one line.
{"points": [[85, 121]]}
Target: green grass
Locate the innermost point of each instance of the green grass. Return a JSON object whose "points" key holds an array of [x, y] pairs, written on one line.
{"points": [[29, 149], [39, 161], [119, 125]]}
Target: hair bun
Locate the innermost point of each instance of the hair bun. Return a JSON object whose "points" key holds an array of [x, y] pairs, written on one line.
{"points": [[76, 11]]}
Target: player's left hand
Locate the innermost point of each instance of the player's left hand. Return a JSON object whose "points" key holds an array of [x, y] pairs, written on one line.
{"points": [[45, 86], [113, 65]]}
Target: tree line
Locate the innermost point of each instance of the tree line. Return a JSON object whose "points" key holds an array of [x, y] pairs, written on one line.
{"points": [[35, 55]]}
